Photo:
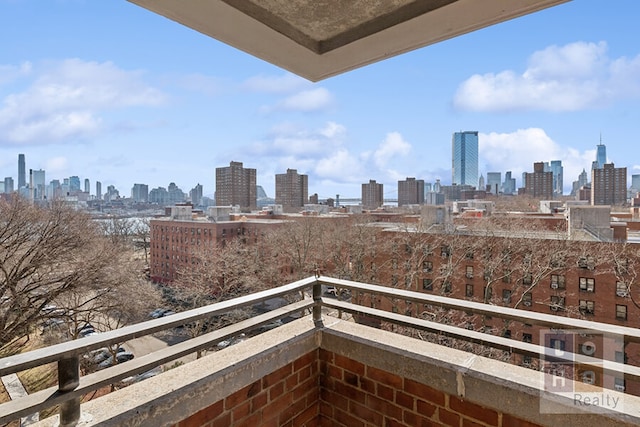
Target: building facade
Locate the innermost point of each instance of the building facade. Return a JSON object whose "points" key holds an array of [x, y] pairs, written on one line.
{"points": [[494, 182], [292, 190], [22, 172], [236, 186], [539, 184], [140, 193], [372, 195], [464, 168], [411, 192], [609, 185]]}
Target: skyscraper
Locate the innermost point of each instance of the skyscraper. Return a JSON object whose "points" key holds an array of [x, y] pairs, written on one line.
{"points": [[464, 155], [509, 185], [87, 186], [411, 192], [609, 185], [22, 172], [372, 195], [292, 190], [140, 193], [556, 169], [8, 185], [196, 195], [98, 190], [236, 186], [494, 182], [74, 184], [38, 177], [601, 154]]}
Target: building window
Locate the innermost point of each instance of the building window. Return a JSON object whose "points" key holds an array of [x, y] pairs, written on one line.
{"points": [[527, 279], [469, 254], [620, 357], [618, 384], [587, 284], [506, 296], [621, 289], [426, 250], [587, 307], [469, 272], [587, 262], [446, 287], [507, 333], [445, 251], [527, 338], [427, 266], [506, 276], [469, 291], [557, 303], [556, 344], [427, 284], [527, 300], [621, 312], [557, 281], [488, 293]]}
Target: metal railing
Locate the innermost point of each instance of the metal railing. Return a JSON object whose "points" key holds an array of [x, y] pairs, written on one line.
{"points": [[71, 386]]}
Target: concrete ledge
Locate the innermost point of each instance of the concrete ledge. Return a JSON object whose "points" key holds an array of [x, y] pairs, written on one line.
{"points": [[493, 384], [175, 395]]}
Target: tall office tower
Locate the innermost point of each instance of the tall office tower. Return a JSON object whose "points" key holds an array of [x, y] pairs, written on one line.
{"points": [[54, 189], [98, 190], [87, 186], [140, 193], [494, 182], [583, 179], [428, 187], [372, 194], [411, 192], [292, 190], [38, 184], [22, 172], [437, 187], [236, 185], [601, 154], [509, 185], [8, 185], [539, 184], [74, 184], [196, 195], [464, 168], [609, 185], [635, 182], [481, 184], [555, 167]]}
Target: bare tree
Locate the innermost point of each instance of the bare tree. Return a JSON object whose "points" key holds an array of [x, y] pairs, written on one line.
{"points": [[46, 255]]}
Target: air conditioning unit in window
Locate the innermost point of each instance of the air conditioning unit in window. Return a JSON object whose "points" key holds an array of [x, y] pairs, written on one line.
{"points": [[554, 286], [527, 303], [619, 387], [554, 308], [622, 293]]}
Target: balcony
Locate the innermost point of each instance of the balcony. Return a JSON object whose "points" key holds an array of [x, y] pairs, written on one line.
{"points": [[326, 369]]}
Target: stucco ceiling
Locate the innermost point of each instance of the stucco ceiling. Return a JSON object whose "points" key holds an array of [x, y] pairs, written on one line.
{"points": [[317, 39]]}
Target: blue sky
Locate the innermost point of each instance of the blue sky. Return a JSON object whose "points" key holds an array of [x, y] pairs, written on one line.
{"points": [[108, 91]]}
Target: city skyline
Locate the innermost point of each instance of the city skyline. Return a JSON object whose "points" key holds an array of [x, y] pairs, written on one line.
{"points": [[79, 98]]}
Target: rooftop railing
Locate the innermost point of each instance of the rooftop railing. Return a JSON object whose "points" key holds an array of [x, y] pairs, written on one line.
{"points": [[307, 297]]}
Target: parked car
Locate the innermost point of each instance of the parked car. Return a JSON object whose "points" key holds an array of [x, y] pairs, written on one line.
{"points": [[102, 354], [161, 312], [121, 357]]}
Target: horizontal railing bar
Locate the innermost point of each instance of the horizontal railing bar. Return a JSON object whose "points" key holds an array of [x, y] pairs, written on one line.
{"points": [[501, 343], [42, 356], [523, 316], [50, 397]]}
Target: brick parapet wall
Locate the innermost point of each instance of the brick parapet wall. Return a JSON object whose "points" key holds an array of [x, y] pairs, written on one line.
{"points": [[354, 394], [288, 396]]}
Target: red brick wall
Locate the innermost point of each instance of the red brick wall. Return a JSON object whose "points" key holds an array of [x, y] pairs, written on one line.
{"points": [[287, 397], [353, 394]]}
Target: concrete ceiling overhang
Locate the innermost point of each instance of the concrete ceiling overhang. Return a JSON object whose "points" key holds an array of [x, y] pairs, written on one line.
{"points": [[317, 39]]}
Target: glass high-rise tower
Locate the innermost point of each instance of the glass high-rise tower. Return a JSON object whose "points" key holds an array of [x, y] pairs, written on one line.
{"points": [[601, 155], [464, 168], [22, 172]]}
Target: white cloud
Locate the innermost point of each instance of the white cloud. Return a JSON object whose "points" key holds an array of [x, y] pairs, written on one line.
{"points": [[393, 145], [271, 84], [9, 73], [66, 98], [201, 83], [573, 77], [518, 151]]}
